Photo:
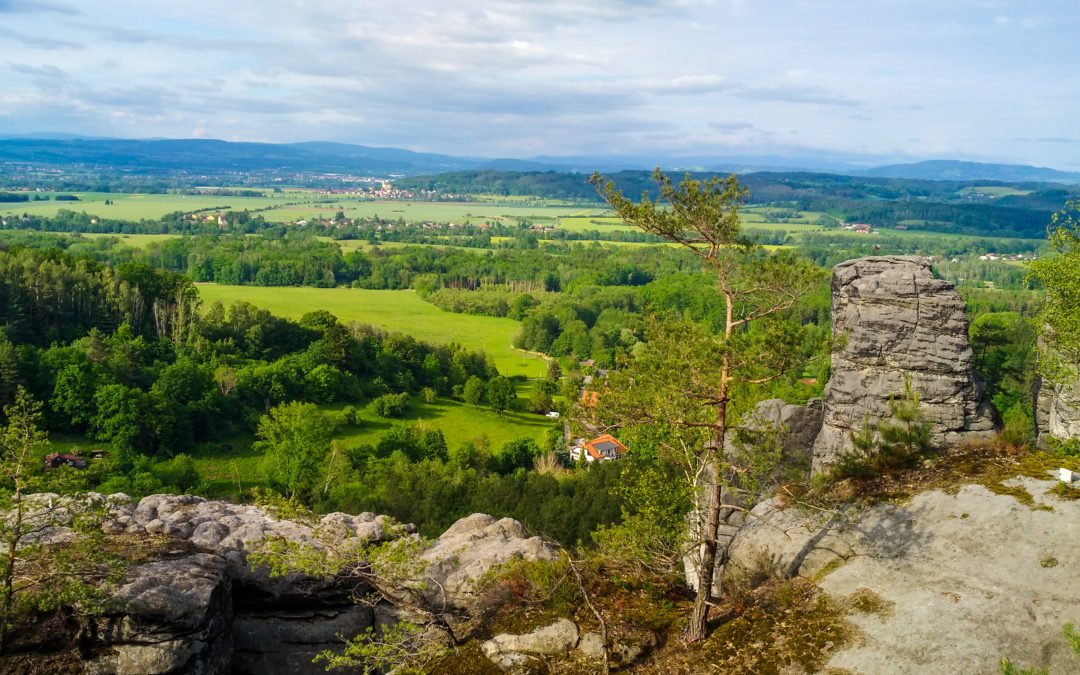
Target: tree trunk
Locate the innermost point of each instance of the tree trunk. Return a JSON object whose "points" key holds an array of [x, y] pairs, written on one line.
{"points": [[699, 620]]}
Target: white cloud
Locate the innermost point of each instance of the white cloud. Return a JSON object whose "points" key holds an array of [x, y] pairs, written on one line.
{"points": [[551, 77]]}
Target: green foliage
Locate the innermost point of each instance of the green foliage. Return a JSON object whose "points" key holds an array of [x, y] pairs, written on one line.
{"points": [[1060, 276], [294, 439], [473, 391], [402, 647], [651, 536], [390, 405], [501, 394], [38, 575], [895, 443]]}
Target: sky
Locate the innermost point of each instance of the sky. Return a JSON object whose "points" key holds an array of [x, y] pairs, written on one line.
{"points": [[868, 82]]}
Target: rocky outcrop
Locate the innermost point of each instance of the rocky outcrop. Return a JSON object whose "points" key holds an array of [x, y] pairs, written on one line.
{"points": [[201, 608], [797, 425], [894, 321], [178, 617], [975, 570], [517, 652], [471, 548], [1057, 410], [562, 643]]}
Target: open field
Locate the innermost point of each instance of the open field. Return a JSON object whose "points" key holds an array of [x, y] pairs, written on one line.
{"points": [[418, 211], [230, 472], [459, 422], [401, 311], [993, 191], [127, 206]]}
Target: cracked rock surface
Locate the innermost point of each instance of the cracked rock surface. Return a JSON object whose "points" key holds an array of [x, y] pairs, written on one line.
{"points": [[894, 322]]}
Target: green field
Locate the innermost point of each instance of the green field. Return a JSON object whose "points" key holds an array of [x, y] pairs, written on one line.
{"points": [[229, 472], [138, 206], [993, 191], [401, 311], [415, 212], [459, 422]]}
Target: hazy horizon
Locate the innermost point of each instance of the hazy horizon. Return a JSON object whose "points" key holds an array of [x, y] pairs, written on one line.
{"points": [[873, 83]]}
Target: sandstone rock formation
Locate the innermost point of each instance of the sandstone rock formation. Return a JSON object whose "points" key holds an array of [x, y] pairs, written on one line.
{"points": [[469, 549], [894, 320], [561, 642], [516, 652], [972, 576], [203, 609], [1057, 410], [798, 425]]}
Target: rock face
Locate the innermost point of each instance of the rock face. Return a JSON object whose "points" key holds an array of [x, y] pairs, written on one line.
{"points": [[1057, 410], [178, 619], [976, 571], [798, 425], [204, 610], [472, 547], [893, 321]]}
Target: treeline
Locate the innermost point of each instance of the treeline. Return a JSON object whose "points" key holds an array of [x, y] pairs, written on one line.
{"points": [[940, 206], [828, 249], [177, 222]]}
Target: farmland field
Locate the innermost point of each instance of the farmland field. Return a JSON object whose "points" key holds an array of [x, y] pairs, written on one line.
{"points": [[419, 211], [127, 206], [401, 311]]}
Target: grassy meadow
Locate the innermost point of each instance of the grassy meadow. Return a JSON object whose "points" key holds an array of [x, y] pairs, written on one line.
{"points": [[401, 311], [128, 206]]}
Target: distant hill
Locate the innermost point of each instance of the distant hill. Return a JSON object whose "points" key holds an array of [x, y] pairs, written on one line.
{"points": [[954, 170], [205, 157], [213, 157]]}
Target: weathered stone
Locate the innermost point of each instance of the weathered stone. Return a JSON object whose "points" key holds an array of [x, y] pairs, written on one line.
{"points": [[470, 549], [1057, 410], [511, 652], [987, 575], [591, 646], [288, 641], [895, 322], [177, 617], [797, 425]]}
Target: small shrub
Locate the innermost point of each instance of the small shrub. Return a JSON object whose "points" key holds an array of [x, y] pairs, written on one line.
{"points": [[350, 415], [390, 405], [897, 443]]}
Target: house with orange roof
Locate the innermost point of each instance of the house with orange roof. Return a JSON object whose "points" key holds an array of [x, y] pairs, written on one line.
{"points": [[600, 449]]}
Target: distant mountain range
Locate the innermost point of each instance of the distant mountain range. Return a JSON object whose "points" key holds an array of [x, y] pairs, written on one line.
{"points": [[214, 157], [947, 169]]}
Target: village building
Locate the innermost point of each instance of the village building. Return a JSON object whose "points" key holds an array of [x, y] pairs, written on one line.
{"points": [[600, 449]]}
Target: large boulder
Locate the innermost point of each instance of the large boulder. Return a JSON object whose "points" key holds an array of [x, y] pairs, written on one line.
{"points": [[895, 322], [471, 548], [974, 570], [177, 617]]}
